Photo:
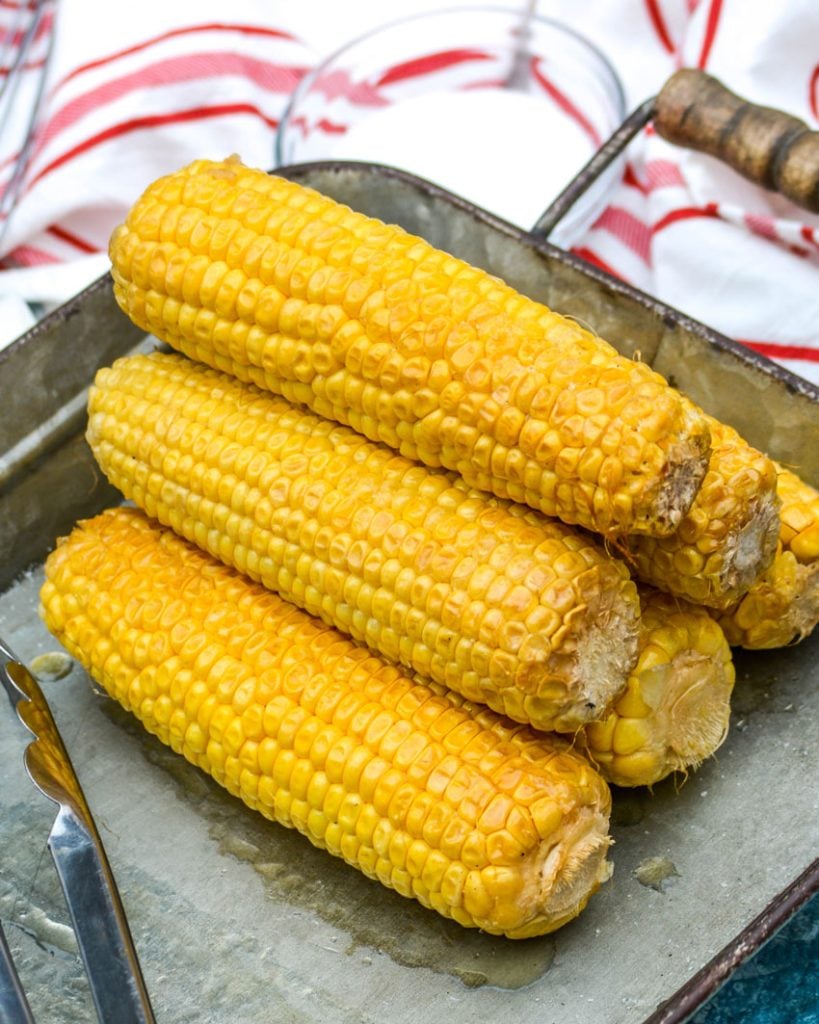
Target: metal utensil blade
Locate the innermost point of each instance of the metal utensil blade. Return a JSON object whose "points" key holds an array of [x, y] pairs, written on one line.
{"points": [[103, 936], [14, 1007]]}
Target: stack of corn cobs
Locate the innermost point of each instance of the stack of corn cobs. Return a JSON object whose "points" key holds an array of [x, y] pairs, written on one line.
{"points": [[418, 565]]}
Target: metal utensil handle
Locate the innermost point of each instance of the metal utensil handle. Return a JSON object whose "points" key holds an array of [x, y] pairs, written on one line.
{"points": [[101, 927], [591, 171], [770, 148], [694, 110]]}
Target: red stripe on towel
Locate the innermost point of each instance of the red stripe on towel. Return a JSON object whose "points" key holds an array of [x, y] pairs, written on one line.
{"points": [[685, 213], [657, 20], [246, 30], [138, 123], [565, 104], [272, 77], [71, 238], [429, 63], [711, 25], [781, 350]]}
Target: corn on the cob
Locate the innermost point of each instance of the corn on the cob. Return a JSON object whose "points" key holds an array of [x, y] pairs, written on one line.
{"points": [[489, 599], [676, 708], [729, 535], [370, 326], [782, 607], [799, 516], [489, 824]]}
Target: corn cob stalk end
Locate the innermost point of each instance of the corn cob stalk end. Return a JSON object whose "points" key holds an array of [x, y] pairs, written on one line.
{"points": [[676, 708], [780, 609], [728, 536]]}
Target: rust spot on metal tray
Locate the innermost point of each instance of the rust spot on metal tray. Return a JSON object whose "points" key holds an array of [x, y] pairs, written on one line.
{"points": [[654, 872]]}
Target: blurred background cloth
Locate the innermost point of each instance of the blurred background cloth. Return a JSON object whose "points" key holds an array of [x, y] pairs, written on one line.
{"points": [[107, 98]]}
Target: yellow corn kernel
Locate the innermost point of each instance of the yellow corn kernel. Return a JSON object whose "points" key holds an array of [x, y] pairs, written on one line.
{"points": [[540, 623], [631, 735], [782, 607], [676, 707], [349, 316], [728, 536], [599, 736], [285, 773], [799, 516]]}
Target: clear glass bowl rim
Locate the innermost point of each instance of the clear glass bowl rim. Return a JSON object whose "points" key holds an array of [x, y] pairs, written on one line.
{"points": [[306, 82]]}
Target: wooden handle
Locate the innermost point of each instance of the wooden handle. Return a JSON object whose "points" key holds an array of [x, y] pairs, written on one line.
{"points": [[766, 146]]}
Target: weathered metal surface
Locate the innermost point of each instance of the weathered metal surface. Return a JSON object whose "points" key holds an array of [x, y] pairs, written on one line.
{"points": [[707, 981], [47, 477], [237, 920]]}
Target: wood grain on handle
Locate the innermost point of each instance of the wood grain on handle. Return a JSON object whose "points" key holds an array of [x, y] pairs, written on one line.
{"points": [[767, 146]]}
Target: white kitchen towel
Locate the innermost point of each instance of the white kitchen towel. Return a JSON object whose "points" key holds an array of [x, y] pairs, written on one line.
{"points": [[133, 92]]}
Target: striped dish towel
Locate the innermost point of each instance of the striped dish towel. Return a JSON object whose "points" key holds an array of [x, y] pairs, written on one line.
{"points": [[682, 226], [131, 93], [128, 96]]}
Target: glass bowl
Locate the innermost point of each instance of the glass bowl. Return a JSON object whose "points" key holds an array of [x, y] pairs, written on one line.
{"points": [[497, 109]]}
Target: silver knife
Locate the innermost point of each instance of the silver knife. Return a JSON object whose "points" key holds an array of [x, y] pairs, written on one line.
{"points": [[104, 939]]}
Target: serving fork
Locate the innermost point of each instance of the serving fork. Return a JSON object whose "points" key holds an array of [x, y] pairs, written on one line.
{"points": [[100, 925]]}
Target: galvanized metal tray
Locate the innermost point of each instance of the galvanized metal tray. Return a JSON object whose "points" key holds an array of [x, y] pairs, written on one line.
{"points": [[238, 921]]}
